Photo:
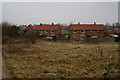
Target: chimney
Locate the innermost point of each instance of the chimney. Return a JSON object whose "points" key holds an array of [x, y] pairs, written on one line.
{"points": [[78, 23], [59, 24], [94, 23], [40, 23], [25, 25], [52, 23]]}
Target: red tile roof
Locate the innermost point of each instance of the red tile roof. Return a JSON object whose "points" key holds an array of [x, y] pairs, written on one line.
{"points": [[116, 28], [46, 27], [87, 27]]}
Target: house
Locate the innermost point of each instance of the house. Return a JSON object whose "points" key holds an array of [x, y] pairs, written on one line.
{"points": [[116, 30], [46, 30], [27, 29], [82, 31], [108, 31]]}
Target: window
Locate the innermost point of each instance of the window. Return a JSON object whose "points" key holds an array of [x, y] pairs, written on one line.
{"points": [[82, 37], [74, 31], [82, 31], [74, 36], [52, 31], [45, 35], [41, 31], [46, 31]]}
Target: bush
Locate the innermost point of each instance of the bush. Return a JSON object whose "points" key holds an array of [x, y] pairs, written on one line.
{"points": [[9, 29], [88, 35]]}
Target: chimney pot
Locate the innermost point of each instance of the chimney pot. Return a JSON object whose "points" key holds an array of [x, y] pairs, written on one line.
{"points": [[94, 23], [40, 23], [52, 23]]}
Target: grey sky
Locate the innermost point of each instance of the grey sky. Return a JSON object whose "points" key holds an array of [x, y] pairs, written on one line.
{"points": [[119, 12], [62, 12]]}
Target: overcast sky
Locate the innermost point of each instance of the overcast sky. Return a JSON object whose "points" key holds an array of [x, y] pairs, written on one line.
{"points": [[119, 12], [59, 12]]}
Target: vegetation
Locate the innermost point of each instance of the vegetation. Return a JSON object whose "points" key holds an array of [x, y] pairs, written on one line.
{"points": [[62, 60], [11, 32], [9, 29], [65, 32], [88, 35], [57, 59]]}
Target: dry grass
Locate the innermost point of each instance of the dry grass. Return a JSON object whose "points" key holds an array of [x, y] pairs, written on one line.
{"points": [[62, 60]]}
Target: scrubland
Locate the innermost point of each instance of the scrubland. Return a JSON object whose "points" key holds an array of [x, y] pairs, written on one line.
{"points": [[49, 59]]}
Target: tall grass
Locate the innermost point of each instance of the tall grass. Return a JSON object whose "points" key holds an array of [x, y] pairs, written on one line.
{"points": [[47, 59]]}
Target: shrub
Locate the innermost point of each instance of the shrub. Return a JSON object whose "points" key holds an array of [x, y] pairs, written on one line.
{"points": [[88, 35], [9, 29]]}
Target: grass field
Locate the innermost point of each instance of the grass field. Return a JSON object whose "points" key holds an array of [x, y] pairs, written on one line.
{"points": [[62, 60]]}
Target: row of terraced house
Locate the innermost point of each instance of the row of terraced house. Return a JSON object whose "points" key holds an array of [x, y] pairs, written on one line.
{"points": [[77, 31]]}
